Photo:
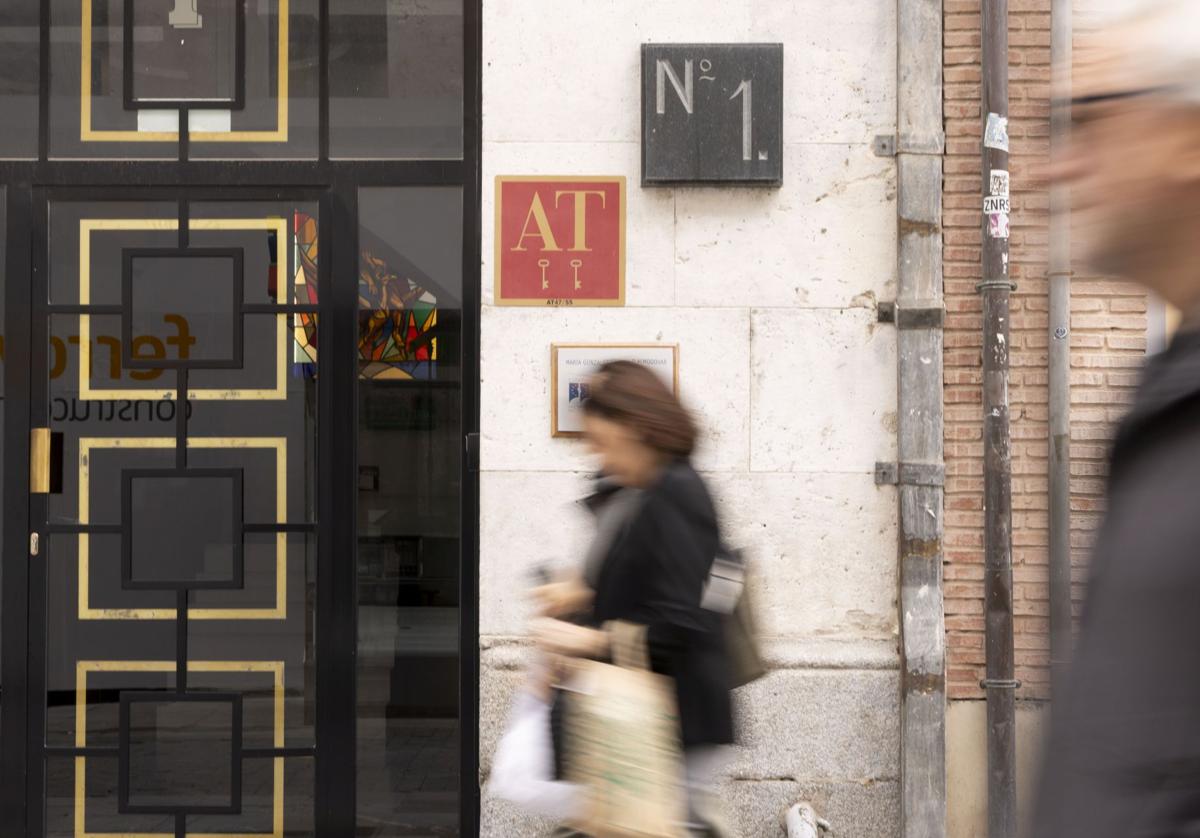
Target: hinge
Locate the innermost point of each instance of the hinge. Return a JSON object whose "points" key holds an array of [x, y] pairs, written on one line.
{"points": [[472, 451], [35, 544], [910, 474], [933, 317]]}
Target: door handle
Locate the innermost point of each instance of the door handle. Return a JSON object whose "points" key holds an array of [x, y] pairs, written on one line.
{"points": [[45, 461]]}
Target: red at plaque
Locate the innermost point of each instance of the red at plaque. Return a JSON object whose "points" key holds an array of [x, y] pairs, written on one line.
{"points": [[560, 241]]}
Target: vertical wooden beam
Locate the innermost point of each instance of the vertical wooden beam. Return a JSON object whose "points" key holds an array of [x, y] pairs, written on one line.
{"points": [[920, 147]]}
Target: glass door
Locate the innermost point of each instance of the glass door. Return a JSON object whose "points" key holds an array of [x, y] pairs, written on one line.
{"points": [[409, 521], [174, 476], [241, 328]]}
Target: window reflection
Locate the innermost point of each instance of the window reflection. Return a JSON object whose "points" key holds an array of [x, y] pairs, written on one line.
{"points": [[396, 79], [409, 443], [18, 78], [3, 294], [175, 58]]}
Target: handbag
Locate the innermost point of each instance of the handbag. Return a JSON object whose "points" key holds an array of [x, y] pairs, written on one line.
{"points": [[727, 592], [622, 744]]}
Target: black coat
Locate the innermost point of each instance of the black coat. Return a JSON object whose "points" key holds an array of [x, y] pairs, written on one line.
{"points": [[654, 575], [1124, 753]]}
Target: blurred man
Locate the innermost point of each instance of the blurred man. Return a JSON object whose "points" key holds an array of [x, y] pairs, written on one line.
{"points": [[1124, 755]]}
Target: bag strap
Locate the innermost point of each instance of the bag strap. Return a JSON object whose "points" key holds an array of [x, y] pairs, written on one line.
{"points": [[629, 644]]}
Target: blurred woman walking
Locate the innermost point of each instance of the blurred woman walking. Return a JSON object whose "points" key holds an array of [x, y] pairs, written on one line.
{"points": [[657, 538]]}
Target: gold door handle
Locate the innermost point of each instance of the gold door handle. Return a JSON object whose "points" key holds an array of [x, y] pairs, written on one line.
{"points": [[45, 461]]}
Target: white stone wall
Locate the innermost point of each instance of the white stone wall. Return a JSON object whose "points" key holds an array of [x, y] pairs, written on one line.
{"points": [[771, 295]]}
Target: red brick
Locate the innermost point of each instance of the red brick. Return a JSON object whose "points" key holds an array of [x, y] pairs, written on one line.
{"points": [[1108, 343]]}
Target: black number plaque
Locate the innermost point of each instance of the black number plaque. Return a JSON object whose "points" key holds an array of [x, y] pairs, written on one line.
{"points": [[712, 113]]}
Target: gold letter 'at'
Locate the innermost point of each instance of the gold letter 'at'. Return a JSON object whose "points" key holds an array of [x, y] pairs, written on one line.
{"points": [[537, 212], [580, 197]]}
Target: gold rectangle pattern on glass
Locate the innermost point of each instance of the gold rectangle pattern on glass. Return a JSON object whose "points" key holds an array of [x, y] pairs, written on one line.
{"points": [[88, 226], [89, 134], [83, 667], [89, 444]]}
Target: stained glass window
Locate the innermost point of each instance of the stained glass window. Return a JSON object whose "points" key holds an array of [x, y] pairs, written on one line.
{"points": [[397, 312], [397, 337], [304, 325]]}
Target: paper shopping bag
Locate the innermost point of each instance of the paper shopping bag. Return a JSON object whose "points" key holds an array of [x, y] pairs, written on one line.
{"points": [[622, 744]]}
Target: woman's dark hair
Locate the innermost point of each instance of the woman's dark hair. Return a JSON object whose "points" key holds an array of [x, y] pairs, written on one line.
{"points": [[631, 394]]}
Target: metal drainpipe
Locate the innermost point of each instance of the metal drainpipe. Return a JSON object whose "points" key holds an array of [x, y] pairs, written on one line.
{"points": [[1059, 356], [997, 463]]}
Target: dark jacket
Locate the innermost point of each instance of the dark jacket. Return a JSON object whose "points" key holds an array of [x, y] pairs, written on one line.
{"points": [[1124, 754], [654, 575]]}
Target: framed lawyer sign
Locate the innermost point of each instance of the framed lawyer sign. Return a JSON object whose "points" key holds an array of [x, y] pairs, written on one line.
{"points": [[572, 366]]}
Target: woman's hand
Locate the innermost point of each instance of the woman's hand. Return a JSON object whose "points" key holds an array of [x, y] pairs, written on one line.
{"points": [[562, 638], [561, 599]]}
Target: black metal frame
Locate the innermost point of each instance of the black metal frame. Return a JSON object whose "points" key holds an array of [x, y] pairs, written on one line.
{"points": [[237, 572], [130, 697], [28, 187], [237, 103], [130, 255]]}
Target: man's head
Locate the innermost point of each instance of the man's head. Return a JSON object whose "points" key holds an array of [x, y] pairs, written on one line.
{"points": [[1133, 161]]}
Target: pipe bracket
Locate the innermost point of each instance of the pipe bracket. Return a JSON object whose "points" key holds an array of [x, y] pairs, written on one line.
{"points": [[1000, 683], [920, 318], [996, 283], [911, 317], [910, 474]]}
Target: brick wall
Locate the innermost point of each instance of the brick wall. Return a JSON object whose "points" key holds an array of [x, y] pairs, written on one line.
{"points": [[1107, 346]]}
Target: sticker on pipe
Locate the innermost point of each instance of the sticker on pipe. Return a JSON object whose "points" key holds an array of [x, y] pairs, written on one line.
{"points": [[996, 204], [998, 225], [995, 135], [998, 183]]}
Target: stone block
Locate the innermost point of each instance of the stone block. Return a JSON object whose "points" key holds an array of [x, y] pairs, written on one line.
{"points": [[756, 809], [501, 819], [839, 66], [966, 763], [799, 724], [526, 519], [827, 238], [819, 724], [497, 684], [823, 548], [826, 736], [860, 810], [823, 390], [576, 77]]}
